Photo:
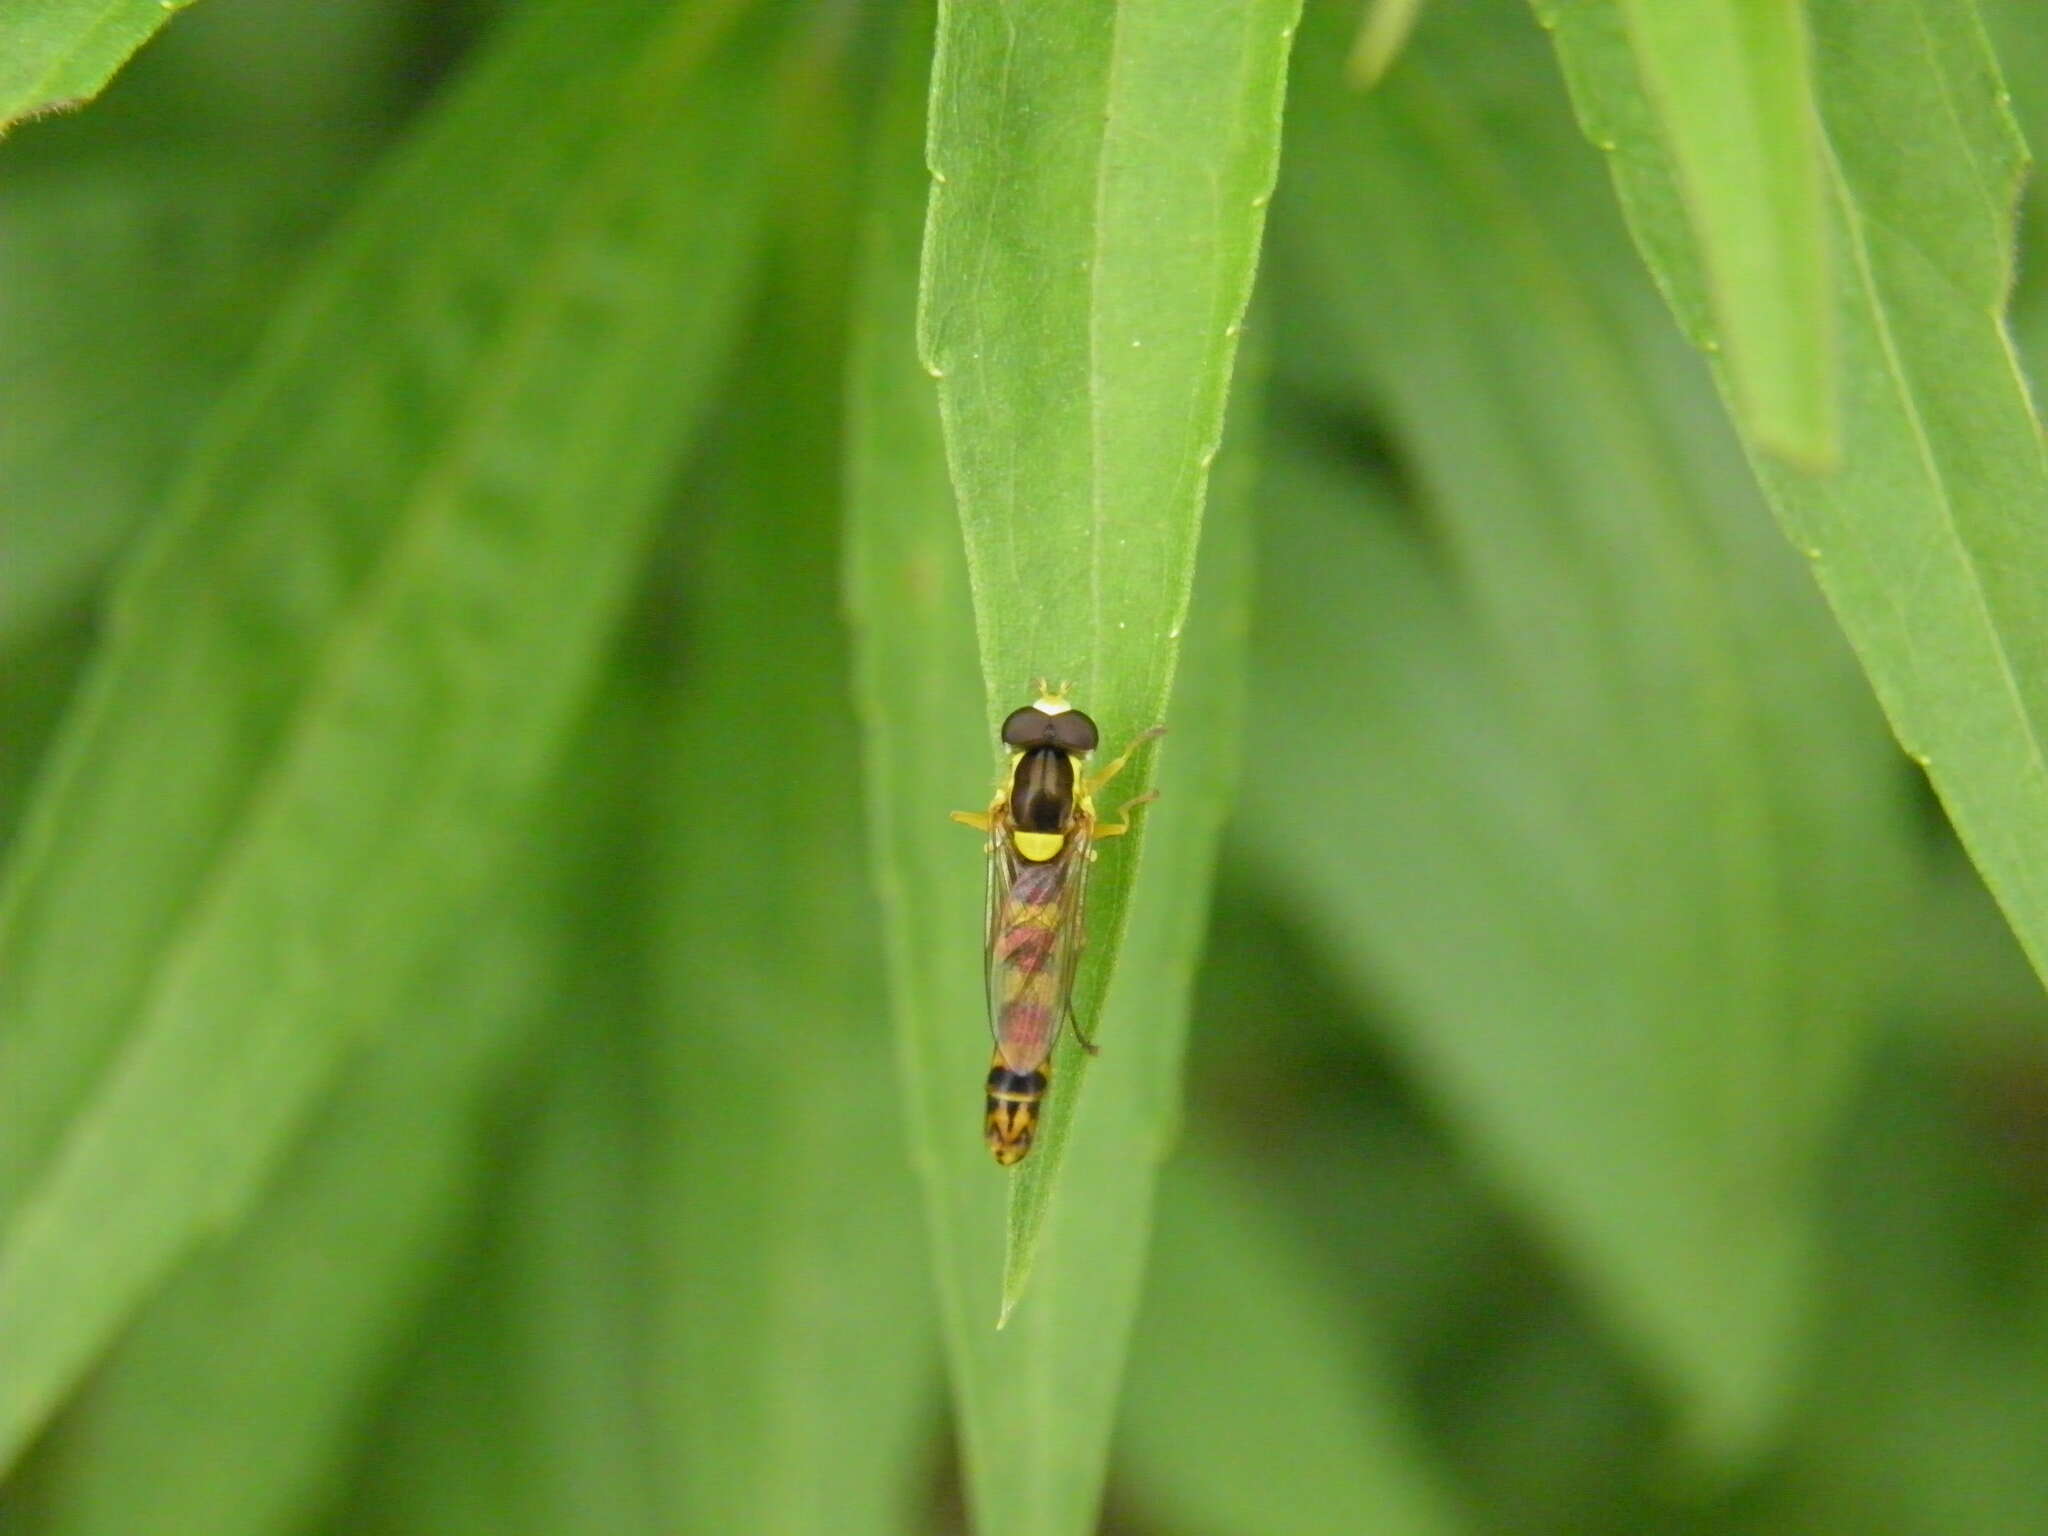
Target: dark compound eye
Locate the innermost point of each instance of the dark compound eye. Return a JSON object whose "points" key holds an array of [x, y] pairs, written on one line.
{"points": [[1073, 732], [1028, 727]]}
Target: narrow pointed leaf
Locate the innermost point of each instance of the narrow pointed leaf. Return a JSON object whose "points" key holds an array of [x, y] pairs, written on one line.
{"points": [[1923, 539], [1723, 87], [918, 694], [796, 1360], [569, 1260], [1036, 1400], [1626, 854], [1100, 175], [232, 1404], [142, 247], [346, 663], [61, 53], [1383, 31], [1066, 1340]]}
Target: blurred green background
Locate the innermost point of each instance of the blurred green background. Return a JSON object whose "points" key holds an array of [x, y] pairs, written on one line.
{"points": [[446, 1039]]}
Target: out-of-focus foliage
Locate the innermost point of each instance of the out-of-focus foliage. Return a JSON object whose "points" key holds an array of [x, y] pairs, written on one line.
{"points": [[1687, 968], [490, 1017]]}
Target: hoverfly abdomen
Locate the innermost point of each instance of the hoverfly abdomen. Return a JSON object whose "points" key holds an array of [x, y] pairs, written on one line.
{"points": [[1035, 893], [1029, 996], [1026, 948], [1013, 1099]]}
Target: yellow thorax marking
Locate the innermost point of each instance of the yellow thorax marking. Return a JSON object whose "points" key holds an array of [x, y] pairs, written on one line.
{"points": [[1042, 846], [1038, 846]]}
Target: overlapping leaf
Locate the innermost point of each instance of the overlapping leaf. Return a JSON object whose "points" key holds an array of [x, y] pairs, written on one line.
{"points": [[1626, 864], [1920, 539], [1036, 1400], [347, 662], [1100, 180], [142, 247], [59, 53], [1723, 86], [795, 1371]]}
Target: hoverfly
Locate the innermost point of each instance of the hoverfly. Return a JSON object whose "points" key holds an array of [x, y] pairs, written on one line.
{"points": [[1041, 830]]}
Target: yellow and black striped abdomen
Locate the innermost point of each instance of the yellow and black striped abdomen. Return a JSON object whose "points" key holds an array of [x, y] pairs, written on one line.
{"points": [[1013, 1099]]}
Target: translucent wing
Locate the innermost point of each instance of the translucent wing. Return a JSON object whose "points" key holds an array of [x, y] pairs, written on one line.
{"points": [[1034, 944], [1073, 922], [1000, 872]]}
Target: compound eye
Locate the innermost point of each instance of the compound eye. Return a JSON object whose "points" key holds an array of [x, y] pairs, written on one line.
{"points": [[1073, 732], [1028, 727]]}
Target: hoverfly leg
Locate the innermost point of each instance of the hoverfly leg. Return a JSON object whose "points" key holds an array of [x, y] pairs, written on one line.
{"points": [[1116, 766], [975, 819], [1122, 824], [1087, 1040]]}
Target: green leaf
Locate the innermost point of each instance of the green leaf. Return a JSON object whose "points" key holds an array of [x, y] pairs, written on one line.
{"points": [[1446, 1309], [558, 1432], [795, 1360], [413, 530], [1722, 89], [1383, 31], [37, 681], [1609, 818], [917, 691], [1924, 1408], [128, 298], [1307, 1405], [236, 1399], [1936, 581], [446, 1456], [568, 1260], [146, 243], [231, 1404], [573, 1276], [1037, 1399], [1066, 1344], [61, 53], [1100, 180]]}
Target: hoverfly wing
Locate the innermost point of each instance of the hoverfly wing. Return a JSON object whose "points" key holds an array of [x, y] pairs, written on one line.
{"points": [[1001, 858], [1034, 946]]}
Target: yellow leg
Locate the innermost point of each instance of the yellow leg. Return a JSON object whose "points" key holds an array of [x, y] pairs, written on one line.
{"points": [[1122, 824], [1087, 1041], [975, 819], [1116, 765]]}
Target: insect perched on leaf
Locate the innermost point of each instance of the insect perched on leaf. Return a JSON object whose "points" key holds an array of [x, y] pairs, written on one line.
{"points": [[1041, 830]]}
